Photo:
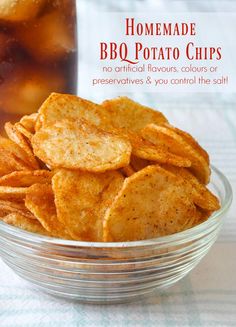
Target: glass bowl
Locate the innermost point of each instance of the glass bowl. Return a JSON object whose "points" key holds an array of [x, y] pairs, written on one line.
{"points": [[112, 272]]}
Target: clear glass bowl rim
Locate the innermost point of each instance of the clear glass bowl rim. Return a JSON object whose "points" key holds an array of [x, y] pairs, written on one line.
{"points": [[35, 238]]}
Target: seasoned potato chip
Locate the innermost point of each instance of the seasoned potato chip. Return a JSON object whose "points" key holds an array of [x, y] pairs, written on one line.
{"points": [[112, 172], [151, 203], [19, 139], [7, 207], [144, 149], [40, 201], [26, 178], [7, 192], [12, 157], [82, 198], [22, 130], [202, 196], [28, 122], [64, 106], [164, 136], [203, 215], [190, 140], [80, 145], [25, 223], [125, 113]]}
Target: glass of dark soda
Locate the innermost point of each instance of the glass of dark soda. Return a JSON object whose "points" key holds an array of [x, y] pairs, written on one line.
{"points": [[38, 53]]}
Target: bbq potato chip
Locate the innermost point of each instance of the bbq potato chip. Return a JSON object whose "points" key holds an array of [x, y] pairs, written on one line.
{"points": [[64, 106], [80, 145], [25, 223], [40, 201], [152, 202], [12, 157], [22, 130], [28, 122], [202, 196], [7, 207], [203, 216], [161, 135], [26, 178], [112, 172], [19, 139], [7, 192], [144, 149], [190, 140], [82, 198], [125, 113]]}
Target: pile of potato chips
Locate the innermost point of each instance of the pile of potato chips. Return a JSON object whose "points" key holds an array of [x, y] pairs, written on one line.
{"points": [[111, 172]]}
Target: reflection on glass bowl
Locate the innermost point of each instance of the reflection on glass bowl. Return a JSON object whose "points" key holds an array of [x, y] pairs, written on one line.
{"points": [[112, 272]]}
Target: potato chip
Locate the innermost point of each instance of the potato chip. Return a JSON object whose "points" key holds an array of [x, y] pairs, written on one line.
{"points": [[112, 172], [144, 149], [64, 106], [26, 178], [7, 192], [202, 196], [82, 198], [152, 202], [21, 129], [203, 215], [80, 145], [40, 201], [25, 223], [28, 122], [19, 139], [190, 140], [123, 112], [164, 136], [12, 157], [7, 207]]}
